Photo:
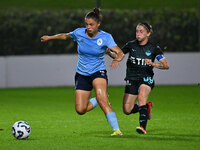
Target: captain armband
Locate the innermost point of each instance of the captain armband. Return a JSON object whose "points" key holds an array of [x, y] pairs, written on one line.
{"points": [[159, 57]]}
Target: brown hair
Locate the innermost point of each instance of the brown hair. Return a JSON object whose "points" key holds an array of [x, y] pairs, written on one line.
{"points": [[95, 14], [147, 26]]}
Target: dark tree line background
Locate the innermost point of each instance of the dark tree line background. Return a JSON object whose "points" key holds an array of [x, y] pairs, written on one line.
{"points": [[20, 31]]}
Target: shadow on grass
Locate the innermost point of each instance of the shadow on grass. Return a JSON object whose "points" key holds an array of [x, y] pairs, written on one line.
{"points": [[164, 135], [157, 135], [162, 132]]}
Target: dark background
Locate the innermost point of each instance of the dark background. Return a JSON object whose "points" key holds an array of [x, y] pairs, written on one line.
{"points": [[22, 23]]}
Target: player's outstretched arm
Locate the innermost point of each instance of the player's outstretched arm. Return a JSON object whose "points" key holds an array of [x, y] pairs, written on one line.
{"points": [[162, 65], [61, 36]]}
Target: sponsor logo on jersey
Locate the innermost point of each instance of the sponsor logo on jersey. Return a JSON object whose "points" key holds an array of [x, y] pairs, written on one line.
{"points": [[148, 53], [138, 61], [99, 42]]}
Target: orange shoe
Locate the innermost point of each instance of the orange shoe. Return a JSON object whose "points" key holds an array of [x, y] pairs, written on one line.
{"points": [[150, 105], [141, 130]]}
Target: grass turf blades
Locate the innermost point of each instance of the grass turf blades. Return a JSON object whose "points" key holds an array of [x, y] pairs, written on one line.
{"points": [[55, 125]]}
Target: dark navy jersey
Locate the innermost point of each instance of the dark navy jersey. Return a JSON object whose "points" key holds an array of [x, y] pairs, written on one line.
{"points": [[136, 65]]}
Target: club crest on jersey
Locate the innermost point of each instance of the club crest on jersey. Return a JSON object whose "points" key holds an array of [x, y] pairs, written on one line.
{"points": [[133, 50], [99, 42], [148, 53]]}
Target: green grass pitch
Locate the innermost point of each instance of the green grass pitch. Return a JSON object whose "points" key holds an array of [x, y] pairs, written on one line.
{"points": [[175, 123]]}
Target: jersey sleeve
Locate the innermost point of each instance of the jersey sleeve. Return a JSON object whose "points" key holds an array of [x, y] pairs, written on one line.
{"points": [[73, 35], [159, 53], [125, 48], [110, 42]]}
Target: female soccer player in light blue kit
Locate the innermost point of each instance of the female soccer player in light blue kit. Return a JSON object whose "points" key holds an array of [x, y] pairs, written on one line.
{"points": [[91, 69]]}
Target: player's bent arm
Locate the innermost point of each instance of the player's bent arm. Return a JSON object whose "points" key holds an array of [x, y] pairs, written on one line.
{"points": [[61, 36], [111, 53], [116, 53], [162, 65]]}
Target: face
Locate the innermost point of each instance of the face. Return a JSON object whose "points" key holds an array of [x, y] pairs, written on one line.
{"points": [[91, 25], [142, 34]]}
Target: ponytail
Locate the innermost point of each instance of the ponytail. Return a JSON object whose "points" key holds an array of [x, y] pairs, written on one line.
{"points": [[95, 14]]}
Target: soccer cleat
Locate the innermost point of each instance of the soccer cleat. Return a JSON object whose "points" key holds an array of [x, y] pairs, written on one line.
{"points": [[116, 132], [149, 110], [141, 130]]}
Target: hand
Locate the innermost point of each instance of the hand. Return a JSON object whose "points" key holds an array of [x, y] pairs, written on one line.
{"points": [[114, 64], [44, 38], [149, 62], [107, 50]]}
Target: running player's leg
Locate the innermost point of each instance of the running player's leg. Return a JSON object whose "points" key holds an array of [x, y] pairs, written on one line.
{"points": [[129, 105], [100, 87], [130, 95], [83, 88], [82, 104], [92, 103], [143, 95]]}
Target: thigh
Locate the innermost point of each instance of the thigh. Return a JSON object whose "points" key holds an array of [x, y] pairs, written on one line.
{"points": [[100, 86], [128, 102], [148, 81], [99, 82], [129, 99], [143, 94], [81, 98]]}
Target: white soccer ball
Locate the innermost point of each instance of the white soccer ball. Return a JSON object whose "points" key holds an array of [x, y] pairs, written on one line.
{"points": [[21, 130]]}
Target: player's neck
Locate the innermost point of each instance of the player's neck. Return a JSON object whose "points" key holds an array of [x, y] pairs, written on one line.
{"points": [[144, 42], [91, 35]]}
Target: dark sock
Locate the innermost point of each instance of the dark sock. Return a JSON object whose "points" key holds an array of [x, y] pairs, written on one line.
{"points": [[143, 116], [147, 105], [147, 110], [135, 109]]}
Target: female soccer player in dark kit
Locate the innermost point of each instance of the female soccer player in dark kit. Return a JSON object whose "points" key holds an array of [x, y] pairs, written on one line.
{"points": [[139, 74], [91, 70]]}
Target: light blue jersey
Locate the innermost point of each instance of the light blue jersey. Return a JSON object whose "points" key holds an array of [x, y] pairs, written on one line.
{"points": [[91, 50]]}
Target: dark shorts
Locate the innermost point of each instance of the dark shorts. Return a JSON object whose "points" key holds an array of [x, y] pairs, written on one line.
{"points": [[133, 86], [85, 82]]}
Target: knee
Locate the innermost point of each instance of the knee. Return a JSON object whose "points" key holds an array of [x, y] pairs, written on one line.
{"points": [[126, 112], [81, 111]]}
